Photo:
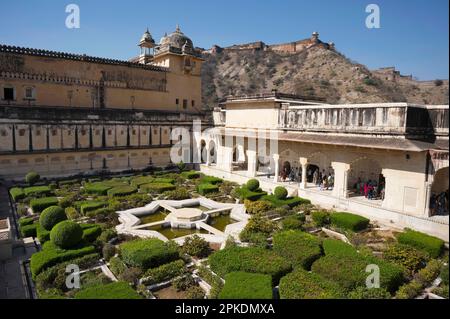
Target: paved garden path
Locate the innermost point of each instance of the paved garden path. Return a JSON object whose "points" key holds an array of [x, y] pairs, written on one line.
{"points": [[12, 281]]}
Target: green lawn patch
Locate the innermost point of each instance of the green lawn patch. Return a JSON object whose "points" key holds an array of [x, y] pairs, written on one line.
{"points": [[115, 290], [301, 284], [244, 285], [432, 245], [249, 259], [299, 248]]}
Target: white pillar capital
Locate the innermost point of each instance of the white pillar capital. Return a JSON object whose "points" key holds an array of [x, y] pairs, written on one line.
{"points": [[303, 161], [276, 157]]}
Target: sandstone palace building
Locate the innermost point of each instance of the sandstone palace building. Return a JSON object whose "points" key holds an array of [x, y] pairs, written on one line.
{"points": [[65, 113]]}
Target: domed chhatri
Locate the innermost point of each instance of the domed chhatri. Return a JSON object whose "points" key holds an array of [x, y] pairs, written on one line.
{"points": [[147, 38], [176, 39]]}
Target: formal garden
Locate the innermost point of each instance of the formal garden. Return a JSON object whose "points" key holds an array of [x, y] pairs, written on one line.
{"points": [[287, 248]]}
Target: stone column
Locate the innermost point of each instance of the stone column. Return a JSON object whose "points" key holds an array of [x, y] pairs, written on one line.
{"points": [[276, 160], [304, 162], [427, 212], [340, 179], [251, 167], [208, 156], [226, 158]]}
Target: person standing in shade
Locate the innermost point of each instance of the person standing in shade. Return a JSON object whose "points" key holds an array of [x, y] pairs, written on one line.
{"points": [[315, 177]]}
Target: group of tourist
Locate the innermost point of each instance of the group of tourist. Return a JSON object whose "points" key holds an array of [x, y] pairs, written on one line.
{"points": [[371, 189], [439, 203], [323, 180]]}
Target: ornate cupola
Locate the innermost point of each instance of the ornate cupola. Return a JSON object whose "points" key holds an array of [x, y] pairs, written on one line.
{"points": [[147, 45]]}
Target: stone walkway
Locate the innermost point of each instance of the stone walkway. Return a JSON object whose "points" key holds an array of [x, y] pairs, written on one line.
{"points": [[12, 280]]}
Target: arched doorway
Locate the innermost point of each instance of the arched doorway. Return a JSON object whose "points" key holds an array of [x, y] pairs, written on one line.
{"points": [[365, 178], [439, 193]]}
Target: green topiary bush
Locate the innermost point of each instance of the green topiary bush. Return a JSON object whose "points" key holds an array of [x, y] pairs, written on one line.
{"points": [[115, 290], [244, 193], [210, 180], [299, 248], [157, 188], [349, 271], [148, 253], [42, 234], [249, 259], [164, 272], [301, 284], [432, 245], [349, 221], [320, 218], [89, 206], [206, 188], [257, 207], [122, 191], [252, 184], [37, 191], [244, 285], [90, 232], [66, 234], [191, 174], [17, 193], [406, 256], [51, 255], [195, 246], [280, 192], [51, 216], [32, 178], [39, 204], [289, 201], [337, 247], [28, 230]]}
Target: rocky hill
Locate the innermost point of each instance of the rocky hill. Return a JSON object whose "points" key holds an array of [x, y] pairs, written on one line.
{"points": [[316, 70]]}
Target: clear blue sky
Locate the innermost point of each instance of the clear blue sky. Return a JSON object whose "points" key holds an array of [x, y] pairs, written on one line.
{"points": [[413, 34]]}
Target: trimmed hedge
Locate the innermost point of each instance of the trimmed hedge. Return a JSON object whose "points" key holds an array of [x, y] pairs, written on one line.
{"points": [[122, 191], [148, 253], [211, 180], [16, 193], [299, 248], [349, 271], [191, 174], [301, 284], [244, 285], [90, 232], [204, 189], [349, 221], [249, 259], [244, 193], [28, 230], [89, 206], [98, 188], [164, 272], [66, 234], [37, 191], [51, 216], [24, 221], [157, 187], [290, 201], [42, 234], [39, 204], [51, 255], [115, 290], [432, 245], [141, 180]]}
